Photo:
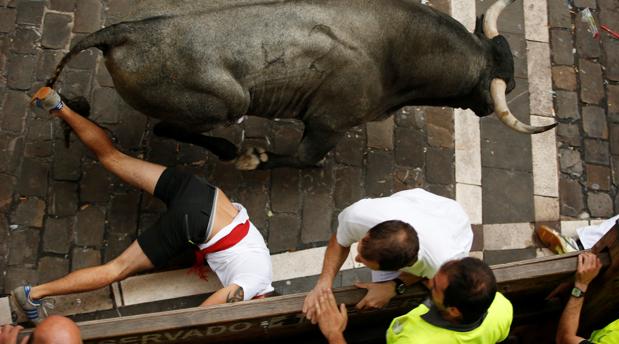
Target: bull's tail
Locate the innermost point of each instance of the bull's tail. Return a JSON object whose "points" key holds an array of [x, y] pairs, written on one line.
{"points": [[103, 39]]}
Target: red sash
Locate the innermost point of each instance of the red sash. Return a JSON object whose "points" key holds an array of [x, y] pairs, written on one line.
{"points": [[236, 234]]}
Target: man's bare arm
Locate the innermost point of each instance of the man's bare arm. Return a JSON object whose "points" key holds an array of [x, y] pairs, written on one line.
{"points": [[229, 294], [335, 256]]}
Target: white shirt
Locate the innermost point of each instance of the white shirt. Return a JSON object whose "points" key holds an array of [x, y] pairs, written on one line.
{"points": [[442, 226], [246, 264]]}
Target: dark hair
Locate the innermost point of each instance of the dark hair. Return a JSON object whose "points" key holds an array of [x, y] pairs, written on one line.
{"points": [[392, 244], [471, 288]]}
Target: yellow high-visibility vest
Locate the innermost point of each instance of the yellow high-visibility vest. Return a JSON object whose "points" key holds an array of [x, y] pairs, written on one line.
{"points": [[607, 335], [411, 328]]}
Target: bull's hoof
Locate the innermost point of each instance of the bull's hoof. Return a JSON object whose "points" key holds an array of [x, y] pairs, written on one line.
{"points": [[251, 159]]}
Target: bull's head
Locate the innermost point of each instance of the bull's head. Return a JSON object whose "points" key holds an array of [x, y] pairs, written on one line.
{"points": [[498, 84]]}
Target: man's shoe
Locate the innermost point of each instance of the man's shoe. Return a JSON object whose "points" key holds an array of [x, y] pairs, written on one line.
{"points": [[556, 242], [48, 99], [34, 310]]}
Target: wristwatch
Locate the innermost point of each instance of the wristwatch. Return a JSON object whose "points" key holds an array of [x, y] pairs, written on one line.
{"points": [[400, 287], [577, 293]]}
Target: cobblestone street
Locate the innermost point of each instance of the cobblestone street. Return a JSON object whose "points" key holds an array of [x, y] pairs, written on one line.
{"points": [[60, 210]]}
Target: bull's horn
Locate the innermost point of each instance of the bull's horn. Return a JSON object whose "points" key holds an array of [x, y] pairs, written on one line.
{"points": [[497, 90], [492, 16]]}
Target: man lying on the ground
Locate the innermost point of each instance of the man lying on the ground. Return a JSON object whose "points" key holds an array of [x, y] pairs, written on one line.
{"points": [[412, 231], [198, 216], [589, 266], [585, 237], [53, 330], [464, 307]]}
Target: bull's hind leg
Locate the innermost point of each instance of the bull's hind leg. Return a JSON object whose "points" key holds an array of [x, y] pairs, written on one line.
{"points": [[316, 143], [222, 148]]}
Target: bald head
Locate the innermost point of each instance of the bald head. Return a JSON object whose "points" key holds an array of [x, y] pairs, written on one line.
{"points": [[56, 330]]}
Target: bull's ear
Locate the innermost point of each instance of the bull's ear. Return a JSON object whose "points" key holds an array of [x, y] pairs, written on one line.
{"points": [[479, 26]]}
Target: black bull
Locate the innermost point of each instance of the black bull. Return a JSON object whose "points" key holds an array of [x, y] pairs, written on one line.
{"points": [[333, 64]]}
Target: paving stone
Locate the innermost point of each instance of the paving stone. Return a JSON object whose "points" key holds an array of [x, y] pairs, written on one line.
{"points": [[17, 276], [106, 105], [56, 31], [586, 45], [559, 14], [378, 179], [14, 111], [492, 257], [87, 16], [585, 3], [76, 83], [123, 217], [350, 150], [7, 19], [284, 232], [63, 199], [317, 208], [440, 127], [409, 147], [512, 18], [33, 179], [408, 178], [62, 5], [115, 245], [48, 60], [499, 142], [596, 152], [567, 105], [507, 196], [6, 190], [446, 191], [611, 56], [58, 235], [285, 190], [594, 122], [90, 226], [67, 162], [103, 76], [86, 59], [30, 12], [286, 136], [517, 44], [571, 195], [613, 99], [570, 162], [598, 177], [591, 82], [20, 71], [348, 186], [130, 131], [95, 184], [614, 139], [39, 129], [84, 258], [147, 220], [561, 47], [615, 170], [608, 5], [440, 166], [478, 238], [564, 77], [11, 153], [380, 134], [116, 11], [255, 197], [569, 134], [52, 268], [600, 204], [25, 40], [23, 247], [518, 100]]}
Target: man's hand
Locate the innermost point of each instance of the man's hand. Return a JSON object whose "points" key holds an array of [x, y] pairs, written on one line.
{"points": [[331, 320], [312, 299], [8, 334], [589, 266], [46, 98], [378, 294]]}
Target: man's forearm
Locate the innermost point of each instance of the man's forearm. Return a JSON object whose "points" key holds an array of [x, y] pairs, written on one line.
{"points": [[334, 259], [568, 325]]}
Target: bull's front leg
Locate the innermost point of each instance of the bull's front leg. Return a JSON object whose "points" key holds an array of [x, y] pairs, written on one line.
{"points": [[316, 143], [222, 148]]}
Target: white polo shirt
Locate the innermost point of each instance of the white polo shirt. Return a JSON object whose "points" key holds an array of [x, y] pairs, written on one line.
{"points": [[442, 226]]}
